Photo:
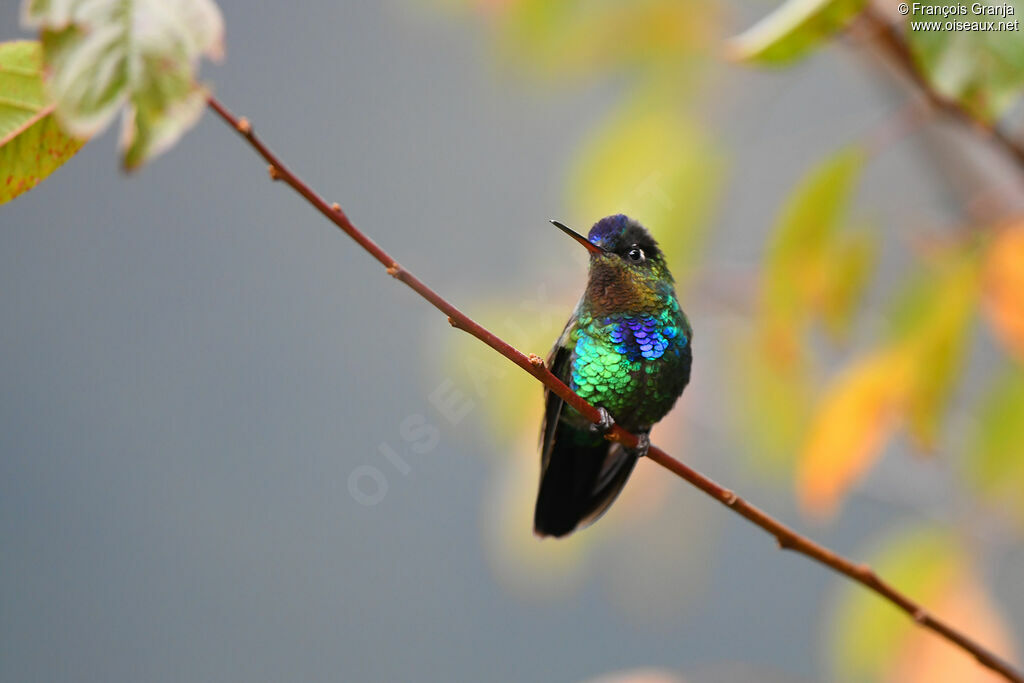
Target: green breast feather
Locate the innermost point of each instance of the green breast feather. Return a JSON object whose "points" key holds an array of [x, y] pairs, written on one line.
{"points": [[635, 366]]}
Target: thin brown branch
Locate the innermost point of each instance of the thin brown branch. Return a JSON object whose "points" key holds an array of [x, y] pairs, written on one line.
{"points": [[787, 538], [893, 47]]}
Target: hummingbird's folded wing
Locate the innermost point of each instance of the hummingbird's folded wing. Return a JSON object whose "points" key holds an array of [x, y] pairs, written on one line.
{"points": [[558, 362]]}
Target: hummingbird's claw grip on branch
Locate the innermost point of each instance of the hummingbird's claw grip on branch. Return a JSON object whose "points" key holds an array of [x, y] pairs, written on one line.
{"points": [[605, 424], [643, 444]]}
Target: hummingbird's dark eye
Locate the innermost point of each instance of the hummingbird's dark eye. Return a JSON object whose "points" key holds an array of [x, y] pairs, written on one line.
{"points": [[635, 254]]}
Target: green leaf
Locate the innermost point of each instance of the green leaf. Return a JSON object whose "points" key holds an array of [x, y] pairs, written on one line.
{"points": [[931, 320], [32, 146], [792, 30], [942, 348], [852, 261], [654, 163], [810, 265], [995, 456], [141, 54], [984, 70], [816, 204]]}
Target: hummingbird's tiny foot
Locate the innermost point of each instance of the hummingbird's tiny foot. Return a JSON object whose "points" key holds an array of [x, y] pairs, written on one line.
{"points": [[605, 424], [643, 444]]}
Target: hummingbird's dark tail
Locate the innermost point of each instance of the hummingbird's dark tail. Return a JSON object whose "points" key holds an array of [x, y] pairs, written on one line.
{"points": [[582, 475]]}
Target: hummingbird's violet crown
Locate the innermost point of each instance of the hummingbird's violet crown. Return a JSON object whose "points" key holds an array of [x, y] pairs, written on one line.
{"points": [[619, 231]]}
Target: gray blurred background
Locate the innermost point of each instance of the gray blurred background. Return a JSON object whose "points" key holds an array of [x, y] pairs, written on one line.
{"points": [[194, 363]]}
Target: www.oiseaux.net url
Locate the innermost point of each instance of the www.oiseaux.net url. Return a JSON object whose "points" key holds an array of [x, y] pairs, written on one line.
{"points": [[977, 16]]}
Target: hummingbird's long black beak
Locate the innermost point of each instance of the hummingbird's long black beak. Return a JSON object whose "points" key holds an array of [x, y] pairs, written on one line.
{"points": [[590, 246]]}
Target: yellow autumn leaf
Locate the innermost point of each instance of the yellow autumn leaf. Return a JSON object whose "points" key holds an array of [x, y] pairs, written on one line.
{"points": [[855, 418], [1003, 284]]}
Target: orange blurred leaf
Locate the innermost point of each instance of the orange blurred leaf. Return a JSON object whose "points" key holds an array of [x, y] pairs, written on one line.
{"points": [[860, 410], [1003, 284]]}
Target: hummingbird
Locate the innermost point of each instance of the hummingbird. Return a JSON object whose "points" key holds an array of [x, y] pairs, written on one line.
{"points": [[627, 350]]}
